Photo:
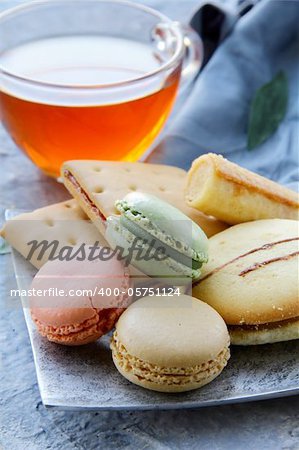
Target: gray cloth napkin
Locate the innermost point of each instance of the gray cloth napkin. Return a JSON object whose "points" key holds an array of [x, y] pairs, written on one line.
{"points": [[215, 115]]}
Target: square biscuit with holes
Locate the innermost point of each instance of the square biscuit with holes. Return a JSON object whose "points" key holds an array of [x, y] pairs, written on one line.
{"points": [[96, 185], [63, 222]]}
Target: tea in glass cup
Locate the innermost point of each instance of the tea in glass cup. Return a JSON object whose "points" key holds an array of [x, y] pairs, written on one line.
{"points": [[87, 79]]}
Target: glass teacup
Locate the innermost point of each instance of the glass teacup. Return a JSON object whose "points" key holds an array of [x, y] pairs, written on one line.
{"points": [[89, 79]]}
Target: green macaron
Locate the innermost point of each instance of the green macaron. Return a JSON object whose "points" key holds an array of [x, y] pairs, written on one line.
{"points": [[166, 242]]}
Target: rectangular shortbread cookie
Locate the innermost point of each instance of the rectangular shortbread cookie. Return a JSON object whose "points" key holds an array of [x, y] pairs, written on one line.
{"points": [[63, 222], [96, 185]]}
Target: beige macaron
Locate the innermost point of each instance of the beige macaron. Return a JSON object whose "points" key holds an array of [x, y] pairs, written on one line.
{"points": [[170, 344], [251, 279]]}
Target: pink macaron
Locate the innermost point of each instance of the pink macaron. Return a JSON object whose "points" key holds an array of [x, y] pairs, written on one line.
{"points": [[76, 302]]}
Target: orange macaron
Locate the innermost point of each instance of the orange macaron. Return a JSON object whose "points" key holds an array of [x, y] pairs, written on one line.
{"points": [[76, 302]]}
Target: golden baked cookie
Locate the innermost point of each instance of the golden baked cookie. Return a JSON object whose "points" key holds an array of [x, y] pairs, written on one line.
{"points": [[251, 279], [231, 193]]}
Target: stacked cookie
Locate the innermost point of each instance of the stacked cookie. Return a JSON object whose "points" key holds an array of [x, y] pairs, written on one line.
{"points": [[251, 278], [245, 277]]}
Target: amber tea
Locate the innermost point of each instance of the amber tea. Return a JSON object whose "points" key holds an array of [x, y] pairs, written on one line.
{"points": [[108, 108]]}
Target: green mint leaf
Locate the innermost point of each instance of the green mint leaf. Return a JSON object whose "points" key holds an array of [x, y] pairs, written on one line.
{"points": [[267, 110]]}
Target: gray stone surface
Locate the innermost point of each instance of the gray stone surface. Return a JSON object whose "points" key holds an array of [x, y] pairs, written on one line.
{"points": [[26, 424]]}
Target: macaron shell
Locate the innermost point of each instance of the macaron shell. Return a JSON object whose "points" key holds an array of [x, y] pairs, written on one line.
{"points": [[176, 331], [172, 221], [77, 334], [169, 383], [84, 316], [252, 274], [63, 317], [121, 237], [80, 333], [88, 277]]}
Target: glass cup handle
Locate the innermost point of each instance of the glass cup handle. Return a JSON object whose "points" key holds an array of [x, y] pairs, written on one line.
{"points": [[193, 56]]}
